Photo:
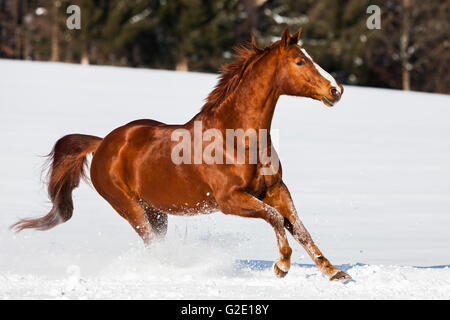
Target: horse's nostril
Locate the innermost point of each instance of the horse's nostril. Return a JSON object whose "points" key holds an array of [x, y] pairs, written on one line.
{"points": [[335, 93]]}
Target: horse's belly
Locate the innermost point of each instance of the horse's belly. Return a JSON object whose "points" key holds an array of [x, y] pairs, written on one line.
{"points": [[176, 191]]}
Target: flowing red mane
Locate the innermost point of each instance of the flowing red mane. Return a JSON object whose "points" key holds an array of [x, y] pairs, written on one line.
{"points": [[231, 74]]}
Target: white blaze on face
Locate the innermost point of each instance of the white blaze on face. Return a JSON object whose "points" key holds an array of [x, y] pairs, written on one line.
{"points": [[323, 73]]}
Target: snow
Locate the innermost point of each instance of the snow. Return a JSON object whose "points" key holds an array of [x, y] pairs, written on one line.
{"points": [[370, 179]]}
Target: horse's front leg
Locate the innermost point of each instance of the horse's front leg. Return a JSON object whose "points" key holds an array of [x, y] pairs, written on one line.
{"points": [[278, 197], [245, 205]]}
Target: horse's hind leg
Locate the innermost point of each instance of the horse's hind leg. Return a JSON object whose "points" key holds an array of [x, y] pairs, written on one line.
{"points": [[135, 215], [126, 203], [157, 219]]}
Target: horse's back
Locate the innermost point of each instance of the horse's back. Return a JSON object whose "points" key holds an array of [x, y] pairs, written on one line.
{"points": [[145, 122], [136, 132]]}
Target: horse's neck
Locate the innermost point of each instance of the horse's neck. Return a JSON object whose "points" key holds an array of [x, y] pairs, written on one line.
{"points": [[251, 105]]}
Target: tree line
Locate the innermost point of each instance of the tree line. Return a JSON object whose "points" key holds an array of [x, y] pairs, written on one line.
{"points": [[410, 51]]}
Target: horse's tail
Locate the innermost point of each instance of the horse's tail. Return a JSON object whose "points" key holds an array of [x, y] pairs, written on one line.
{"points": [[67, 162]]}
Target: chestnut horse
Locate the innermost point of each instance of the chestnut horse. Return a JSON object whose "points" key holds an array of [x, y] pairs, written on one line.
{"points": [[133, 170]]}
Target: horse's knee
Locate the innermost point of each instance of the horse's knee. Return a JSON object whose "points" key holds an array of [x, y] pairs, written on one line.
{"points": [[286, 252]]}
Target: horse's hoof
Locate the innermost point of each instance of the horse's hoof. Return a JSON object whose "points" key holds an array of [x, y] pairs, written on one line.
{"points": [[280, 273], [340, 276]]}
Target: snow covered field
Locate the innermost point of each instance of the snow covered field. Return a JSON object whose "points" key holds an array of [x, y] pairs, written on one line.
{"points": [[370, 179]]}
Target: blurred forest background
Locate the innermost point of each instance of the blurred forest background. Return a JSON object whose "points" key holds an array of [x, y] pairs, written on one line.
{"points": [[410, 51]]}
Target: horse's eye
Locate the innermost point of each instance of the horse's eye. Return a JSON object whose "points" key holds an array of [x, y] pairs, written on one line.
{"points": [[301, 62]]}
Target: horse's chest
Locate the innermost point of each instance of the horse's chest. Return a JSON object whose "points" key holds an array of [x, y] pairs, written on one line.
{"points": [[259, 183]]}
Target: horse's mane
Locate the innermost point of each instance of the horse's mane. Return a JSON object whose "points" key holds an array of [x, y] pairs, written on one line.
{"points": [[231, 74]]}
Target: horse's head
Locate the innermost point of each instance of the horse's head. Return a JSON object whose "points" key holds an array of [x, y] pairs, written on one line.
{"points": [[299, 75]]}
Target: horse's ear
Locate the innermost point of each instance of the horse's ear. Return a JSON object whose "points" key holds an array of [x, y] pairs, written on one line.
{"points": [[253, 43], [285, 37], [296, 36]]}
